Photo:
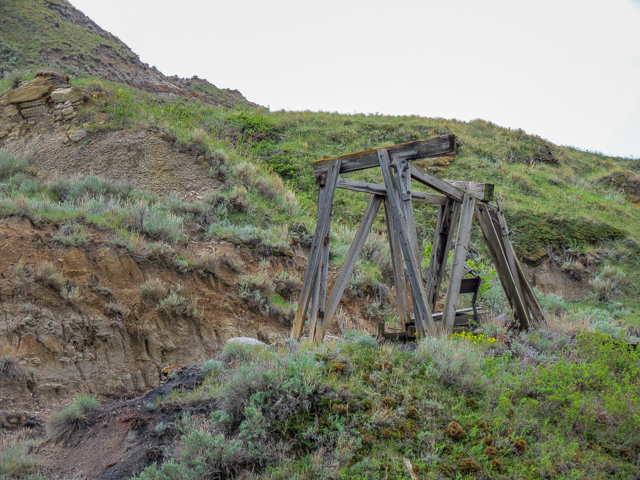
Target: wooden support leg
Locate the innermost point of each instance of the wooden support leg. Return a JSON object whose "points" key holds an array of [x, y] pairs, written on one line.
{"points": [[447, 220], [400, 279], [403, 185], [321, 235], [424, 320], [318, 302], [502, 266], [325, 316], [459, 257], [500, 224]]}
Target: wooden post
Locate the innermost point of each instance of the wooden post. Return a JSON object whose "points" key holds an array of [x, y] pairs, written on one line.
{"points": [[321, 235], [445, 228], [459, 257], [324, 318], [320, 294], [403, 185], [424, 321], [400, 279], [502, 266]]}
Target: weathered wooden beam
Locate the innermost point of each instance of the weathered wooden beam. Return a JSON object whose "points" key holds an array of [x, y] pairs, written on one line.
{"points": [[527, 293], [502, 266], [482, 191], [423, 320], [347, 266], [500, 224], [448, 217], [399, 277], [316, 333], [326, 196], [375, 189], [459, 257], [433, 147], [403, 186], [438, 185]]}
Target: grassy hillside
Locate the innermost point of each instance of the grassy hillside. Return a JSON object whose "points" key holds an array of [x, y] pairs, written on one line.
{"points": [[554, 403], [579, 208]]}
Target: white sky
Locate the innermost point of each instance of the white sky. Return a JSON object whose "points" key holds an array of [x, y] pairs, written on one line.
{"points": [[567, 70]]}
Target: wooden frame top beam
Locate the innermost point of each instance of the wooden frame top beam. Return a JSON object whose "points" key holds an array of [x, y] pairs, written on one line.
{"points": [[434, 147]]}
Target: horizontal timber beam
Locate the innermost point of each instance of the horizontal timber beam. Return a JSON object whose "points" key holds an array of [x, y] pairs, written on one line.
{"points": [[376, 189], [434, 147], [482, 191]]}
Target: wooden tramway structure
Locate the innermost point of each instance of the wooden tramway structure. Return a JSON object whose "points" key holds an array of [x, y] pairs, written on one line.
{"points": [[457, 203]]}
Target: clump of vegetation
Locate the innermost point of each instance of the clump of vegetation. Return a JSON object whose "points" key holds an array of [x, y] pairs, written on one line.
{"points": [[15, 461], [10, 369], [72, 235], [168, 299], [69, 418], [452, 407]]}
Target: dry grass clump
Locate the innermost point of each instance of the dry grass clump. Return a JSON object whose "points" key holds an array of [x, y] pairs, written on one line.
{"points": [[50, 277], [10, 369], [154, 290], [199, 136]]}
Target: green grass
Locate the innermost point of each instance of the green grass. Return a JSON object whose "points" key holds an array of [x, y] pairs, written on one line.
{"points": [[546, 404]]}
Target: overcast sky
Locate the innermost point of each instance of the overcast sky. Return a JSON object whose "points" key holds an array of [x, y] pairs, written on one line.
{"points": [[567, 70]]}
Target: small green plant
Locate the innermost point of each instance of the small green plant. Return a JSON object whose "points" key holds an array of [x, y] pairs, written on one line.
{"points": [[72, 235], [69, 418], [71, 295], [212, 367]]}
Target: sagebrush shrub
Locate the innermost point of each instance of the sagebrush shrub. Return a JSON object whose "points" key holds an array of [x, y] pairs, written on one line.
{"points": [[154, 290], [457, 362], [50, 277]]}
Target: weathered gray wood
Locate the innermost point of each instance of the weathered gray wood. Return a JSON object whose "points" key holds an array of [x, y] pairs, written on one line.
{"points": [[482, 191], [348, 265], [316, 332], [423, 320], [315, 299], [525, 290], [448, 217], [433, 147], [530, 297], [502, 266], [321, 235], [500, 224], [376, 189], [459, 257], [438, 185], [400, 279], [403, 185]]}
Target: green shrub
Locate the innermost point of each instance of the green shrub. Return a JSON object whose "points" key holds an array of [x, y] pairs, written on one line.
{"points": [[72, 235], [10, 165], [154, 290], [15, 461], [362, 339], [178, 306], [71, 416], [238, 351], [212, 367], [457, 362], [71, 295]]}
